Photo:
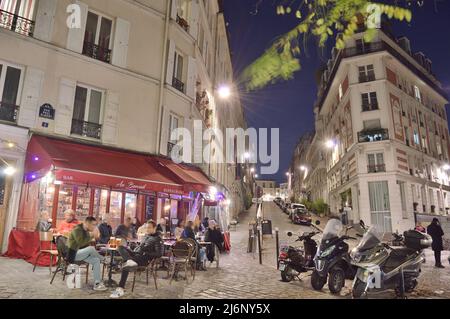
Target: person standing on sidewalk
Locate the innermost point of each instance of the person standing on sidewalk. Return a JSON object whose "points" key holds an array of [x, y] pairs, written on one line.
{"points": [[436, 232]]}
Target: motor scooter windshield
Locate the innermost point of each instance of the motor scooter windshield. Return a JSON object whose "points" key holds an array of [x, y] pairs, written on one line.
{"points": [[332, 230], [370, 239]]}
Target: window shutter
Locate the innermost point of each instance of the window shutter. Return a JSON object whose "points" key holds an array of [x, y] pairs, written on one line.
{"points": [[111, 119], [45, 18], [31, 94], [193, 26], [192, 77], [165, 131], [64, 111], [75, 39], [174, 10], [170, 62], [120, 48]]}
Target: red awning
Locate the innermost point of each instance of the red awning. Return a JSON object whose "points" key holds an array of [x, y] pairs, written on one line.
{"points": [[76, 163], [191, 176]]}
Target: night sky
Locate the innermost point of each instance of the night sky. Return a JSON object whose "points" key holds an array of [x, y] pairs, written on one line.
{"points": [[289, 105]]}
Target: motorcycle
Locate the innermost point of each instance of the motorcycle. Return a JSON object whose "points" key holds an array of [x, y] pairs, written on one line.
{"points": [[332, 261], [381, 267], [293, 261]]}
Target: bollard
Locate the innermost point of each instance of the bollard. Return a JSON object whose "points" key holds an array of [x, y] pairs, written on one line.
{"points": [[259, 246], [277, 238]]}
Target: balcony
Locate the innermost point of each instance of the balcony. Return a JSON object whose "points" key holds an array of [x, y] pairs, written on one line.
{"points": [[178, 84], [8, 112], [183, 23], [370, 107], [380, 168], [97, 52], [86, 129], [16, 23], [363, 78], [373, 136]]}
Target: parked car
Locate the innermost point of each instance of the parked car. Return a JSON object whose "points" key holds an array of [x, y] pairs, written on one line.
{"points": [[277, 200], [295, 206], [301, 217]]}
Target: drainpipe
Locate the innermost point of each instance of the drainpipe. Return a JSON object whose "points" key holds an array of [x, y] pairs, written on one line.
{"points": [[163, 75]]}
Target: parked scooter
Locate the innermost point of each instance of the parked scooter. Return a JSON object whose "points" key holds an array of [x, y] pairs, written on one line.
{"points": [[293, 260], [381, 267], [332, 261]]}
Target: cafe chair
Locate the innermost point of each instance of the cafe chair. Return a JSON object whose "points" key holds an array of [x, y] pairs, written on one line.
{"points": [[149, 269], [62, 263], [46, 240], [181, 258], [194, 256]]}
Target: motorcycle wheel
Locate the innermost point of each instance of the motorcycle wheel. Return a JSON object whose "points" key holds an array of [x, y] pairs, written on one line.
{"points": [[286, 275], [336, 280], [317, 282], [359, 288]]}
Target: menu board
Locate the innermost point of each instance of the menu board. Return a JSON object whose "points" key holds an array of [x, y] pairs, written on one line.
{"points": [[149, 207], [2, 190]]}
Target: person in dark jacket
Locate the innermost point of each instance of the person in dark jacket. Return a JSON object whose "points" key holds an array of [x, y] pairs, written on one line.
{"points": [[214, 236], [105, 230], [189, 231], [124, 230], [150, 248], [436, 233], [44, 223]]}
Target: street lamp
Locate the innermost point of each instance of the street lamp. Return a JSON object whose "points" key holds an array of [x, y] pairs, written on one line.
{"points": [[9, 171], [330, 144], [224, 91], [446, 167], [303, 168]]}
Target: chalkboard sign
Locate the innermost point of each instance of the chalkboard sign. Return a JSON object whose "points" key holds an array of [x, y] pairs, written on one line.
{"points": [[149, 207], [47, 111], [2, 190]]}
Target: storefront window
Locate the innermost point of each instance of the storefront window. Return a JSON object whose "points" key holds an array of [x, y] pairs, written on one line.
{"points": [[100, 200], [83, 199], [64, 202], [130, 205], [115, 209]]}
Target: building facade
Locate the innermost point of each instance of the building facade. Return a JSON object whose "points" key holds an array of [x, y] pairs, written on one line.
{"points": [[269, 188], [299, 167], [119, 74], [381, 113]]}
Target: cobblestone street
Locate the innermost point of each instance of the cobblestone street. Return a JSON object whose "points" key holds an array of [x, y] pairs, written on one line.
{"points": [[239, 275]]}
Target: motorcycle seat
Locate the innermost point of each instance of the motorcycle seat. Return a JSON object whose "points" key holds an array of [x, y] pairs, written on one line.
{"points": [[397, 257]]}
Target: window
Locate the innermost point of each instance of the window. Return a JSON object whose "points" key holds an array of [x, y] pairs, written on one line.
{"points": [[380, 206], [10, 77], [403, 199], [97, 37], [86, 120], [183, 14], [178, 69], [18, 15], [369, 101], [417, 94], [173, 125], [376, 163], [341, 93], [416, 138], [366, 73]]}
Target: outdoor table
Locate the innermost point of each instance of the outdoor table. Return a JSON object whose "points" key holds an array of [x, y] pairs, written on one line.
{"points": [[111, 283]]}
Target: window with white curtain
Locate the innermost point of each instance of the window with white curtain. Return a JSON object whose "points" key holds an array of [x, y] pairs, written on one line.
{"points": [[380, 206]]}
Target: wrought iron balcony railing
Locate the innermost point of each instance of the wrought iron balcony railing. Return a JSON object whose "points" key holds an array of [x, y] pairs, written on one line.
{"points": [[97, 52], [376, 168], [373, 135], [178, 84], [16, 23], [86, 129], [183, 23], [370, 107], [366, 78], [8, 112]]}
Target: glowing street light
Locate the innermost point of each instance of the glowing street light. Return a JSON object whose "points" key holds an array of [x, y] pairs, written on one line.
{"points": [[446, 167], [252, 170], [330, 144], [224, 91], [9, 171], [303, 168]]}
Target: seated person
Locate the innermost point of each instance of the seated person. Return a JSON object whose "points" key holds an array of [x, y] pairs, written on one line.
{"points": [[189, 233], [134, 228], [179, 229], [214, 236], [124, 230], [162, 226], [68, 224], [142, 231], [44, 223], [105, 230], [80, 250], [150, 248]]}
